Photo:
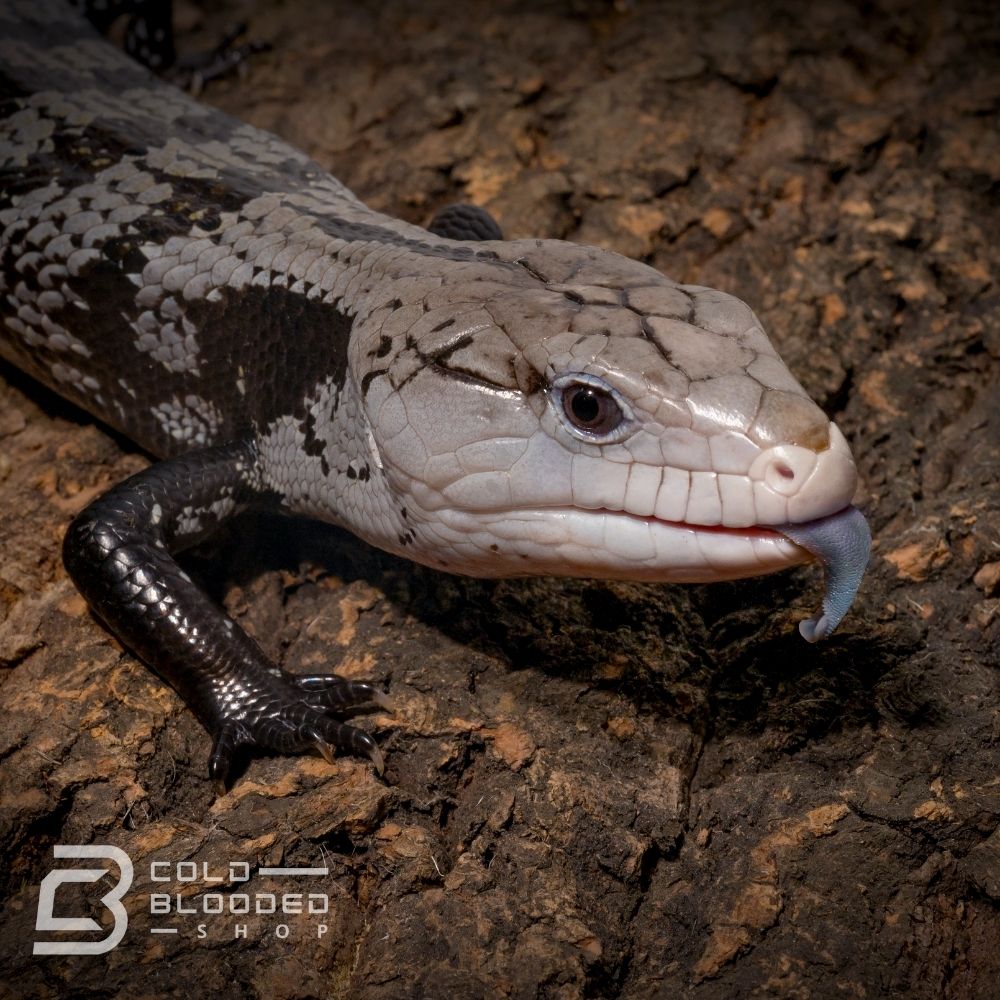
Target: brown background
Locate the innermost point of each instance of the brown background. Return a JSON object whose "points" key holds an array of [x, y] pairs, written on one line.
{"points": [[592, 790]]}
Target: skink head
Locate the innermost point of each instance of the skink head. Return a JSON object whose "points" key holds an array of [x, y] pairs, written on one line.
{"points": [[582, 414]]}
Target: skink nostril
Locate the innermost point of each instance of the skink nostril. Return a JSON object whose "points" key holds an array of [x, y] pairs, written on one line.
{"points": [[784, 468]]}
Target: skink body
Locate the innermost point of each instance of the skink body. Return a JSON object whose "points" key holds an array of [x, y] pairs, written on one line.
{"points": [[480, 405]]}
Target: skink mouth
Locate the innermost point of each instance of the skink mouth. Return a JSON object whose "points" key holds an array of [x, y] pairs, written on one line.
{"points": [[840, 541], [603, 543], [752, 531]]}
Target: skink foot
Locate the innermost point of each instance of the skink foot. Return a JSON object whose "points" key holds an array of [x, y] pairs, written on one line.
{"points": [[296, 720]]}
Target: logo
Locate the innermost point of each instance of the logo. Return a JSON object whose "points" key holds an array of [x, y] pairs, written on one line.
{"points": [[201, 900], [48, 921]]}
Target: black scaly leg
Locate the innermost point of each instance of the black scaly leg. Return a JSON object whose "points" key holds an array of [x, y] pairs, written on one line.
{"points": [[149, 39], [193, 70], [465, 222], [117, 551], [149, 31]]}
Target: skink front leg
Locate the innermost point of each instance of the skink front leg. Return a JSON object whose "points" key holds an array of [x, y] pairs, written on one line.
{"points": [[118, 552]]}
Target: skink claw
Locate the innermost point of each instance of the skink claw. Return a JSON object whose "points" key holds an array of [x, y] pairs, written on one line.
{"points": [[316, 739], [375, 756], [224, 747], [383, 701]]}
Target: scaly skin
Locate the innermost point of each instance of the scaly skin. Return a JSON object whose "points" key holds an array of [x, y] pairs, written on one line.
{"points": [[216, 296]]}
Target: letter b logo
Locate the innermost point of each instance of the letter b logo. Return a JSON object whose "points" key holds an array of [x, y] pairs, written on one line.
{"points": [[47, 921]]}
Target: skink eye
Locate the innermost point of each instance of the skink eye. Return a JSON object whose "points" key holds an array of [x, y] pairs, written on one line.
{"points": [[589, 408]]}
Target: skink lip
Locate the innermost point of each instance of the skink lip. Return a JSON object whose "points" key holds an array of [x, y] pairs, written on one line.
{"points": [[761, 532], [750, 531], [602, 543]]}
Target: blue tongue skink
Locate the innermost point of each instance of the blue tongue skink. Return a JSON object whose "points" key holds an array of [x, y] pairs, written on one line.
{"points": [[479, 405]]}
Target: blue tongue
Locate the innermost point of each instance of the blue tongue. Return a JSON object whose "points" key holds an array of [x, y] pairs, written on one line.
{"points": [[842, 543]]}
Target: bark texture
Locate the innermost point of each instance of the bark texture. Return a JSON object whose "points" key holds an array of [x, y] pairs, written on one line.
{"points": [[593, 790]]}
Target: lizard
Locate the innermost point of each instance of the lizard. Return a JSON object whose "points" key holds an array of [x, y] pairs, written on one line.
{"points": [[479, 405]]}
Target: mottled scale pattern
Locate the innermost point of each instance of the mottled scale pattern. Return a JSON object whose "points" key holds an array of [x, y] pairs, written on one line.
{"points": [[221, 272], [199, 284]]}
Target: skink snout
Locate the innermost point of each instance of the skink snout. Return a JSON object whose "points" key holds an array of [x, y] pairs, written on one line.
{"points": [[807, 484], [811, 491]]}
